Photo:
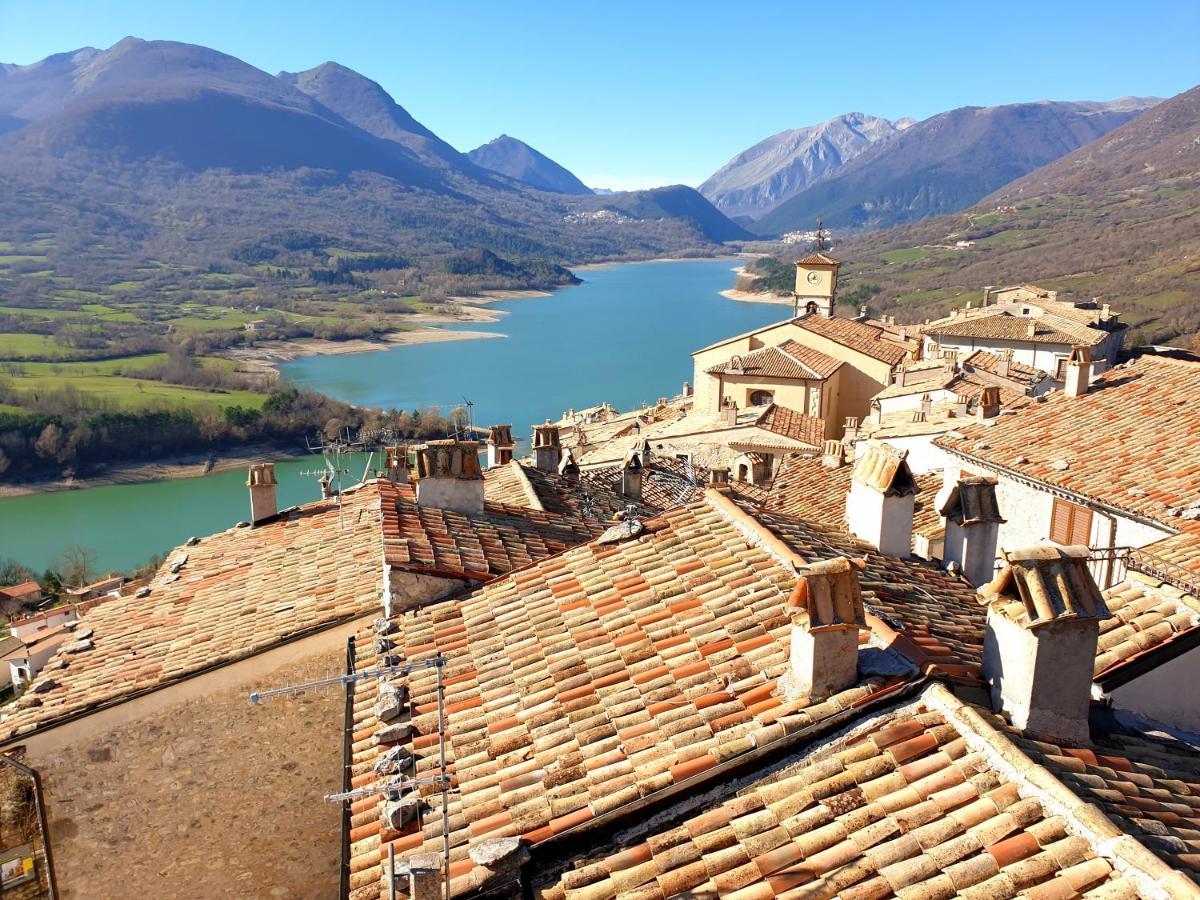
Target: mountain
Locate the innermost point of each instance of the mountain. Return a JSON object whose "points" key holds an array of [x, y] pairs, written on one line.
{"points": [[947, 163], [1117, 219], [518, 160], [776, 169], [178, 159]]}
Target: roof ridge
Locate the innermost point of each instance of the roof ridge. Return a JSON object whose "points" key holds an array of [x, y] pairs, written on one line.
{"points": [[1127, 855], [796, 359], [755, 532], [527, 487]]}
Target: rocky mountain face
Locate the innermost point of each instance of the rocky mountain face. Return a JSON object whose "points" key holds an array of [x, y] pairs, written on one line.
{"points": [[776, 169], [185, 155], [948, 163], [518, 160]]}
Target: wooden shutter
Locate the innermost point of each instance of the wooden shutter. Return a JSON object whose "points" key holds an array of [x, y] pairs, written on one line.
{"points": [[1070, 524]]}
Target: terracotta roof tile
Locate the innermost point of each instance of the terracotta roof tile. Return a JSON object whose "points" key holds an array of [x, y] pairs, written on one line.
{"points": [[1047, 329], [787, 360], [1144, 619], [1129, 442], [794, 425], [866, 339], [238, 592]]}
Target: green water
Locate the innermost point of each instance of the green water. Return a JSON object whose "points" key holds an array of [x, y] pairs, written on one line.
{"points": [[625, 335]]}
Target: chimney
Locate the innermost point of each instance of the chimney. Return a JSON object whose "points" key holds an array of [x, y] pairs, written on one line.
{"points": [[833, 455], [1039, 649], [262, 484], [396, 464], [862, 313], [424, 876], [547, 447], [850, 435], [718, 477], [1105, 312], [827, 614], [568, 468], [631, 476], [989, 403], [1003, 360], [879, 506], [448, 476], [687, 389], [1031, 329], [973, 523], [500, 445], [902, 334], [729, 412], [902, 376], [876, 415], [326, 482], [960, 406], [926, 403], [1079, 372]]}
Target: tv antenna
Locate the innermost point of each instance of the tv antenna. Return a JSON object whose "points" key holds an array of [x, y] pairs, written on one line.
{"points": [[392, 787]]}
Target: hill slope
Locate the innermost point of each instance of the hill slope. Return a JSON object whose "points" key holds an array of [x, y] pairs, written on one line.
{"points": [[176, 160], [776, 169], [518, 160], [947, 163], [1118, 219]]}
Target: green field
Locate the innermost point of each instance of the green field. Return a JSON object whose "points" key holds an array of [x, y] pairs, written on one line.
{"points": [[908, 255], [24, 346], [101, 379]]}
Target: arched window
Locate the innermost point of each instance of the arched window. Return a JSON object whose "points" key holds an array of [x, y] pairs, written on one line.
{"points": [[761, 398], [810, 307]]}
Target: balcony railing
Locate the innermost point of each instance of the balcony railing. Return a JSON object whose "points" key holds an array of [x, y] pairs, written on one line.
{"points": [[1110, 565]]}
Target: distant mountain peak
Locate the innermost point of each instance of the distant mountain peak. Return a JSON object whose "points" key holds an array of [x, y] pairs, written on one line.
{"points": [[516, 159]]}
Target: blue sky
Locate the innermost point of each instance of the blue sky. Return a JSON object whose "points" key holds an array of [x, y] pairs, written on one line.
{"points": [[633, 94]]}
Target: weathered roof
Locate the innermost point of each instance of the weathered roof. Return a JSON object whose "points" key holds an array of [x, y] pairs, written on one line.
{"points": [[990, 363], [972, 501], [789, 360], [1129, 442], [931, 800], [818, 259], [864, 338], [666, 484], [589, 680], [1147, 619], [794, 425], [237, 593], [436, 541], [24, 589], [519, 484], [1044, 584], [1046, 329]]}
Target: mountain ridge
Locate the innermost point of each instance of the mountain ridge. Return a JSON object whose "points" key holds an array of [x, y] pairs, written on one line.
{"points": [[517, 159]]}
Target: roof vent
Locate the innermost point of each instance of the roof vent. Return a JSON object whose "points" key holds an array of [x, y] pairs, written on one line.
{"points": [[263, 487], [973, 523], [499, 445], [879, 506], [1039, 651], [1079, 372], [833, 454], [547, 447], [989, 403], [827, 613], [448, 476]]}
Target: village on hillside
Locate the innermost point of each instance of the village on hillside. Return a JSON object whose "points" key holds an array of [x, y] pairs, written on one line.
{"points": [[866, 610]]}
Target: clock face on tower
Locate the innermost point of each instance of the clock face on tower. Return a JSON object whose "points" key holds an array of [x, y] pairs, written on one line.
{"points": [[814, 277]]}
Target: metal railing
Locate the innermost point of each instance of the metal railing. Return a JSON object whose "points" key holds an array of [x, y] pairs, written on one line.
{"points": [[1110, 565]]}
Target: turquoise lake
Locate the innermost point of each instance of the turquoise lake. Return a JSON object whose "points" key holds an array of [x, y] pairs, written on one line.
{"points": [[625, 335]]}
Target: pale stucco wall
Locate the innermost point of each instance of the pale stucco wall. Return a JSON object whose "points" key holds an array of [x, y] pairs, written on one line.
{"points": [[1160, 693], [923, 456]]}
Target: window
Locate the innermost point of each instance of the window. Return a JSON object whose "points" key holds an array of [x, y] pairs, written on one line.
{"points": [[1070, 524], [761, 398], [1060, 369]]}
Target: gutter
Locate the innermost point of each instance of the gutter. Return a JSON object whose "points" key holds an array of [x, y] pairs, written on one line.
{"points": [[1120, 674]]}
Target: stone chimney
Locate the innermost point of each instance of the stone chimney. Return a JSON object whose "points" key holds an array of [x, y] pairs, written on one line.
{"points": [[833, 454], [1003, 361], [862, 313], [926, 404], [448, 476], [989, 403], [263, 487], [876, 415], [1079, 372], [547, 447], [718, 477], [827, 614], [632, 472], [850, 434], [396, 464], [687, 389], [972, 528], [1039, 649], [1031, 329], [568, 468], [960, 406], [879, 506], [500, 446], [729, 412]]}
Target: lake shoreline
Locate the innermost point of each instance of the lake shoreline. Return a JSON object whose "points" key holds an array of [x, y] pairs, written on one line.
{"points": [[191, 466]]}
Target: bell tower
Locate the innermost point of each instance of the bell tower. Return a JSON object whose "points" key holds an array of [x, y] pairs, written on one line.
{"points": [[816, 281]]}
